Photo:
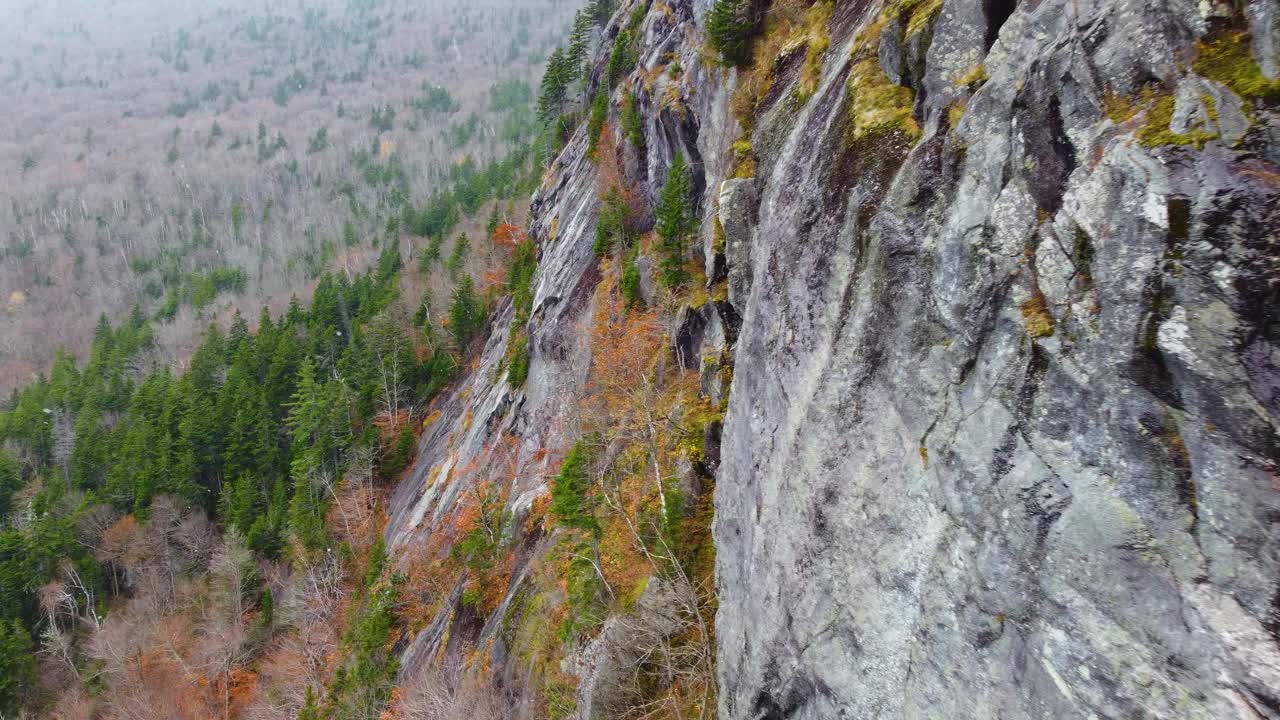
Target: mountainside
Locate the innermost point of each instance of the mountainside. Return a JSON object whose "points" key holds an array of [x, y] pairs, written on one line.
{"points": [[869, 359], [993, 285], [194, 160]]}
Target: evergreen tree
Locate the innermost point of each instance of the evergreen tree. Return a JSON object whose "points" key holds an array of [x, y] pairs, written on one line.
{"points": [[466, 313], [459, 255], [423, 313], [555, 86], [237, 218], [89, 448], [306, 516], [595, 123], [731, 26], [310, 707], [237, 336], [570, 494], [630, 281], [17, 575], [430, 253], [629, 117], [623, 57], [601, 10], [389, 263], [17, 665], [64, 381], [318, 421], [264, 535], [239, 503], [579, 41], [10, 481], [674, 222], [495, 220], [398, 456]]}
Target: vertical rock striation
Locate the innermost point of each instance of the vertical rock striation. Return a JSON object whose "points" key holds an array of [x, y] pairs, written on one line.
{"points": [[1001, 440], [998, 289]]}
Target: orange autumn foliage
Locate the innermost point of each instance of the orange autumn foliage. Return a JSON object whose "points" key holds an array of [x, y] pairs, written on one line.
{"points": [[610, 178], [626, 346], [508, 236]]}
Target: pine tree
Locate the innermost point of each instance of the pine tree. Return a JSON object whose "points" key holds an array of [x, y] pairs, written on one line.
{"points": [[674, 222], [17, 665], [630, 281], [731, 26], [10, 480], [430, 253], [579, 41], [555, 86], [461, 247], [319, 422], [239, 503], [237, 336], [423, 313], [570, 494], [397, 458], [466, 313], [601, 11], [306, 516], [389, 263], [310, 707], [494, 221], [88, 450], [629, 117], [595, 123]]}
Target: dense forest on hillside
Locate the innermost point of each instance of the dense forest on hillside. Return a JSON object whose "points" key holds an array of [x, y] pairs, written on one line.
{"points": [[191, 160], [194, 498], [242, 252], [124, 469]]}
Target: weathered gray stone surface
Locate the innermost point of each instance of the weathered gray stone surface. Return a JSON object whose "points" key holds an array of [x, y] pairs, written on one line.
{"points": [[1001, 439], [926, 509]]}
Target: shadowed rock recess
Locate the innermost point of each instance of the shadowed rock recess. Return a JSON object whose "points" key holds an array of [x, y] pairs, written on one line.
{"points": [[997, 282]]}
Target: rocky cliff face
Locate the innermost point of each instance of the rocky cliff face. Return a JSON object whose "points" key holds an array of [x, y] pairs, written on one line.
{"points": [[997, 283]]}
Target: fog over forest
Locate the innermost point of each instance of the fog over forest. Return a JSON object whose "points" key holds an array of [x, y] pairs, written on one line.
{"points": [[192, 158]]}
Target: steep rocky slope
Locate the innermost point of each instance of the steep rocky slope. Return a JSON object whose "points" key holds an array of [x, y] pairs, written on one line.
{"points": [[996, 283]]}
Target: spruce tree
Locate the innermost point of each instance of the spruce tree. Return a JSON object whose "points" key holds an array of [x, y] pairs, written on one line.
{"points": [[310, 707], [579, 41], [459, 255], [495, 220], [674, 222], [10, 480], [731, 26], [466, 313], [555, 86], [595, 123], [17, 665], [570, 494]]}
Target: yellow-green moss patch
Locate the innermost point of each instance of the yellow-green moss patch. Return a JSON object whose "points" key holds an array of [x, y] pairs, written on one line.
{"points": [[973, 77], [1119, 108], [876, 105], [1036, 317], [1155, 130], [1228, 59], [918, 13], [817, 40]]}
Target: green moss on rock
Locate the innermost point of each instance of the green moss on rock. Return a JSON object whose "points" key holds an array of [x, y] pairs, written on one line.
{"points": [[1228, 59], [877, 106], [1155, 131]]}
